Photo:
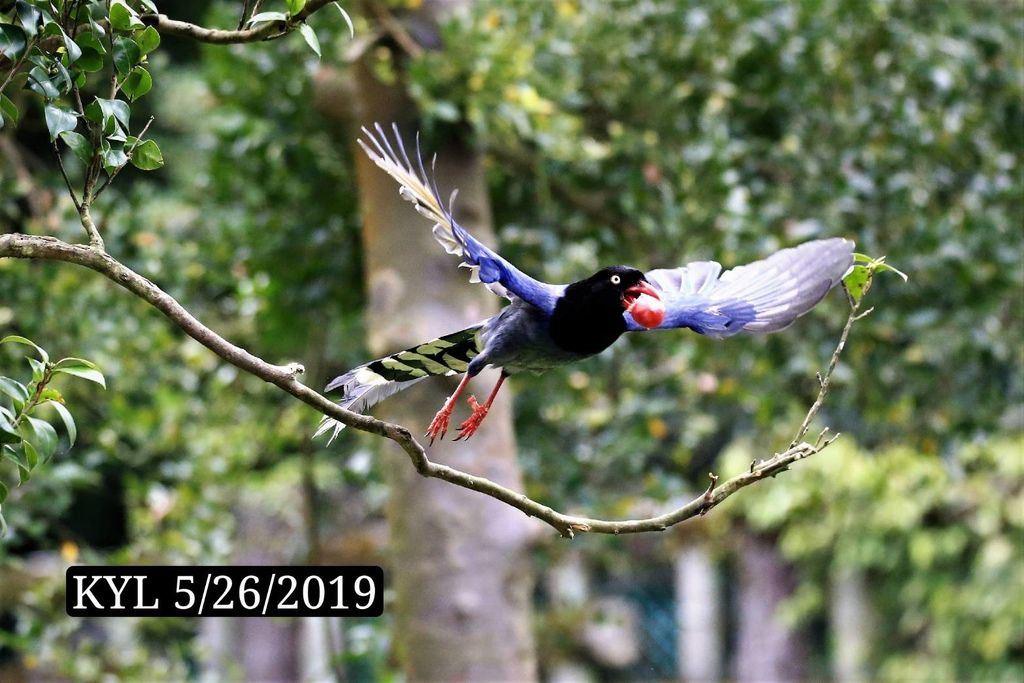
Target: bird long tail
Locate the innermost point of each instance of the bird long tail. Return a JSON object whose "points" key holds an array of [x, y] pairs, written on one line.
{"points": [[372, 382]]}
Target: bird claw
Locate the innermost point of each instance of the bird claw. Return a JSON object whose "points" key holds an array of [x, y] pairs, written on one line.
{"points": [[439, 425], [469, 427]]}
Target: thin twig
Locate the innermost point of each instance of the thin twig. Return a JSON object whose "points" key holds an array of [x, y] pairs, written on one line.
{"points": [[824, 381], [285, 377], [64, 173]]}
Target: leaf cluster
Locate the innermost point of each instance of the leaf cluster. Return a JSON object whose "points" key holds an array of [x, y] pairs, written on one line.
{"points": [[26, 439], [65, 53]]}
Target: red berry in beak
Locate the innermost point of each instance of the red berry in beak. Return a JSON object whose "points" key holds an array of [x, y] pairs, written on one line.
{"points": [[647, 311]]}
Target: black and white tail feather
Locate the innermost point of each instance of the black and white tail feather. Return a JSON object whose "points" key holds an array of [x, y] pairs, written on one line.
{"points": [[371, 383]]}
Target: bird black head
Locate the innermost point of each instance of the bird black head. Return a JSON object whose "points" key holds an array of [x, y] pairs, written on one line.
{"points": [[588, 317]]}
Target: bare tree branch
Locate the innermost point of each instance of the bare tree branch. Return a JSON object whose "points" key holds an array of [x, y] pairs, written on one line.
{"points": [[285, 377], [270, 30]]}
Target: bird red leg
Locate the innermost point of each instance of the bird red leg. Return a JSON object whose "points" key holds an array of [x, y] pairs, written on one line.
{"points": [[439, 425], [469, 427]]}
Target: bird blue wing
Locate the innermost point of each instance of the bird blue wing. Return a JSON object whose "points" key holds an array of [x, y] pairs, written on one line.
{"points": [[763, 296], [418, 187]]}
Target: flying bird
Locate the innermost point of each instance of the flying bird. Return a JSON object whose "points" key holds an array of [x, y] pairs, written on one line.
{"points": [[546, 325]]}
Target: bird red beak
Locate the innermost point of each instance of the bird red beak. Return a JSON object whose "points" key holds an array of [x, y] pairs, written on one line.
{"points": [[633, 293]]}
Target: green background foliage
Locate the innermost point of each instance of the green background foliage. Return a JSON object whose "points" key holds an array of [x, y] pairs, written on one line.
{"points": [[617, 132]]}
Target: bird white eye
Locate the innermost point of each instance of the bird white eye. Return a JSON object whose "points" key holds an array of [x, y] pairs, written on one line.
{"points": [[616, 279]]}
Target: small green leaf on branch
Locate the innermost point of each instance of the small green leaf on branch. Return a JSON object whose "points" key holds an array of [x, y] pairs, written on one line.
{"points": [[59, 120], [12, 41], [123, 17], [137, 84], [80, 368], [309, 35], [148, 40], [13, 388], [859, 278], [78, 144], [267, 16], [15, 339], [147, 156], [69, 422], [347, 18]]}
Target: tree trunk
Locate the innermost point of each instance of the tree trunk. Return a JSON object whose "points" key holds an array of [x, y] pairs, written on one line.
{"points": [[699, 614], [851, 623], [767, 650], [459, 562]]}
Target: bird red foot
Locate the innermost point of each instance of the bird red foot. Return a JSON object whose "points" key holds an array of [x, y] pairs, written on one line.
{"points": [[469, 427], [439, 425]]}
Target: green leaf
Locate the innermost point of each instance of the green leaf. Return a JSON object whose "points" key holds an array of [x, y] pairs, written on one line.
{"points": [[886, 266], [877, 264], [112, 156], [29, 18], [40, 83], [41, 435], [96, 28], [12, 41], [109, 112], [75, 362], [347, 18], [148, 40], [9, 109], [126, 54], [856, 281], [138, 83], [310, 37], [78, 144], [147, 156], [149, 4], [62, 79], [59, 120], [74, 52], [268, 16], [90, 61], [88, 372], [15, 339], [31, 455], [13, 388], [14, 455], [8, 434], [38, 370], [295, 6], [3, 497], [89, 39], [124, 18], [69, 422]]}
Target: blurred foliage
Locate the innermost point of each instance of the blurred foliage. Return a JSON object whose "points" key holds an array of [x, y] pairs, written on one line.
{"points": [[649, 133], [939, 541]]}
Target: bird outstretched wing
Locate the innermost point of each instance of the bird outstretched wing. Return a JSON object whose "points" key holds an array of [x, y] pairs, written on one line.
{"points": [[419, 187], [763, 296]]}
